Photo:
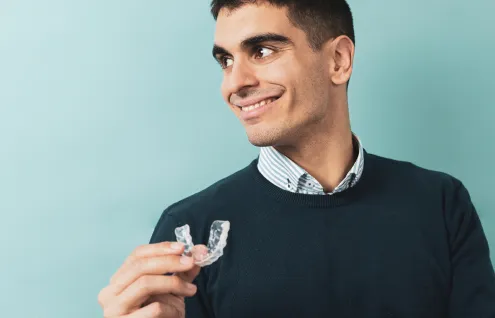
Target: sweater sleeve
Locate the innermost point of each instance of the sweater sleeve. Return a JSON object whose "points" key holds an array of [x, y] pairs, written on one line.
{"points": [[473, 279], [164, 231]]}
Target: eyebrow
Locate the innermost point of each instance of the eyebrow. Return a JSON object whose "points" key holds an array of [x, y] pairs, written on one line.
{"points": [[253, 41]]}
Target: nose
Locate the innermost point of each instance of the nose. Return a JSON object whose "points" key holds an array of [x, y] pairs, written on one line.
{"points": [[240, 76]]}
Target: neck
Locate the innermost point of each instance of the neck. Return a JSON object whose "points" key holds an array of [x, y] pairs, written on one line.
{"points": [[326, 152]]}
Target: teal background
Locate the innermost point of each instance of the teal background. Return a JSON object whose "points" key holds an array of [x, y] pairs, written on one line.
{"points": [[111, 110]]}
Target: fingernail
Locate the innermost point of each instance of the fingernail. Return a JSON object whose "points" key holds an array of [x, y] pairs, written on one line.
{"points": [[176, 245], [201, 256], [191, 286], [186, 260]]}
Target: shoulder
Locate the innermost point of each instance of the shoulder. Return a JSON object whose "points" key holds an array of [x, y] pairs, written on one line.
{"points": [[413, 177], [202, 205], [427, 194], [200, 209]]}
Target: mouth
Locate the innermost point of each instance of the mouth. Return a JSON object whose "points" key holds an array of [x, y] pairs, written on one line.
{"points": [[250, 108], [253, 113]]}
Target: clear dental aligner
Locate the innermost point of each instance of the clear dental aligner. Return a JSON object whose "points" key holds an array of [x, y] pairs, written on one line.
{"points": [[216, 243]]}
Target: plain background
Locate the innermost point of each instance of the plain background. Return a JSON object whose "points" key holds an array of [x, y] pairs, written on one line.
{"points": [[111, 110]]}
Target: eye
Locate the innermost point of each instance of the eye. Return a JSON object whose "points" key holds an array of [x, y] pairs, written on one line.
{"points": [[259, 52], [260, 49], [223, 63]]}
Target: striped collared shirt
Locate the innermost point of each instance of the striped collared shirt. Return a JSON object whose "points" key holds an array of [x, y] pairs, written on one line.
{"points": [[287, 175]]}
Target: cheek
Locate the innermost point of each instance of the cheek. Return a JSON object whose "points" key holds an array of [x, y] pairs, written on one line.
{"points": [[281, 73]]}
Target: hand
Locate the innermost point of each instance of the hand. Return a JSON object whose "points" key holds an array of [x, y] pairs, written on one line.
{"points": [[139, 288]]}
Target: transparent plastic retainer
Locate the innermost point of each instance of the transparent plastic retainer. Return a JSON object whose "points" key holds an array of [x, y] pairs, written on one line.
{"points": [[216, 243]]}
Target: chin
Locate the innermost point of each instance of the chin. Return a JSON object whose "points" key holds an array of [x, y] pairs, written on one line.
{"points": [[264, 137], [260, 142]]}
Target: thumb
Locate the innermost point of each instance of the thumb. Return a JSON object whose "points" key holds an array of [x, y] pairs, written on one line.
{"points": [[198, 253]]}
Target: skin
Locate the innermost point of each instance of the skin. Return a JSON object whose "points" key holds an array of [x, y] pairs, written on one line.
{"points": [[140, 290], [309, 123]]}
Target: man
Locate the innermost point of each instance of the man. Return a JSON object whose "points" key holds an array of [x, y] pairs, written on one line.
{"points": [[319, 226]]}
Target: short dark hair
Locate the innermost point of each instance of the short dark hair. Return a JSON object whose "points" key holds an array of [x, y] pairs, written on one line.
{"points": [[321, 20]]}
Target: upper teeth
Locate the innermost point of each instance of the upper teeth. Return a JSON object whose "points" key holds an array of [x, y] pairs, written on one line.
{"points": [[263, 102]]}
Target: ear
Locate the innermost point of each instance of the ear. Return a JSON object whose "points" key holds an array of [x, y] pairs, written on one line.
{"points": [[342, 57]]}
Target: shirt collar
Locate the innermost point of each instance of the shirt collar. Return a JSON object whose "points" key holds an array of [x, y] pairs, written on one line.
{"points": [[286, 174]]}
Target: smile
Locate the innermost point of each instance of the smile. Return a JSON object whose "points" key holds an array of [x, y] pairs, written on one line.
{"points": [[254, 112], [259, 104]]}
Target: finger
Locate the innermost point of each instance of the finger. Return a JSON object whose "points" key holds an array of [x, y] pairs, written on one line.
{"points": [[151, 266], [150, 250], [189, 275], [198, 252], [156, 310], [105, 295], [157, 249], [144, 287], [172, 300]]}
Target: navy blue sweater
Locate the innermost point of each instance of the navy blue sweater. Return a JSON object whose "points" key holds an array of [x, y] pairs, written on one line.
{"points": [[404, 242]]}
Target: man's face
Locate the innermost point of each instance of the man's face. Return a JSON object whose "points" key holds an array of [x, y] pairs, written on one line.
{"points": [[288, 71]]}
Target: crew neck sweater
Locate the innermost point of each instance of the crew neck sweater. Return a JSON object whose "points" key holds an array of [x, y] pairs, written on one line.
{"points": [[403, 242]]}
